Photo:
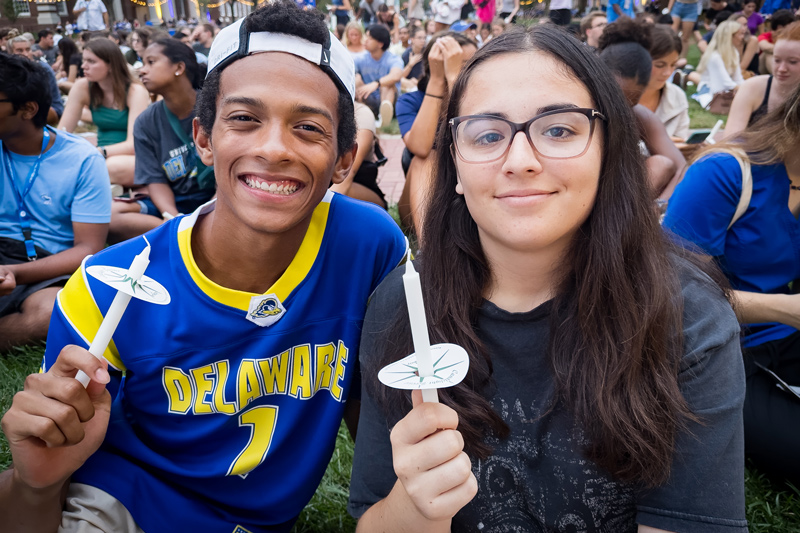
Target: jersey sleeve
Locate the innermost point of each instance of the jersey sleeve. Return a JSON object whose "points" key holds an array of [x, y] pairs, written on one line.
{"points": [[704, 202], [92, 201], [75, 320], [705, 492]]}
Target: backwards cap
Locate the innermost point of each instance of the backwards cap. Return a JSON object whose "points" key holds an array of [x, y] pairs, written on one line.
{"points": [[235, 42]]}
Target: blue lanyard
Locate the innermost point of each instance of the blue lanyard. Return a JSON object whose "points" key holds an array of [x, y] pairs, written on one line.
{"points": [[24, 216]]}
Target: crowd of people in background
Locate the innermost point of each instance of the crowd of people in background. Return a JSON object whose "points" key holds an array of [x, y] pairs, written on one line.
{"points": [[118, 105]]}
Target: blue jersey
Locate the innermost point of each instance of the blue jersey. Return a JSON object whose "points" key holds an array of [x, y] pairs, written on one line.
{"points": [[227, 404]]}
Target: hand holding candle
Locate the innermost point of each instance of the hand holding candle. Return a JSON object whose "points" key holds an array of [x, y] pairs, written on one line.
{"points": [[116, 310]]}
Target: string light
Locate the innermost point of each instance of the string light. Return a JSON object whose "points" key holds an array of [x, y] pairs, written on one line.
{"points": [[143, 3]]}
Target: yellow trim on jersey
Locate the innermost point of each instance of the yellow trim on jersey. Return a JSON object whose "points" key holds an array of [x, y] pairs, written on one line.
{"points": [[291, 278], [79, 309]]}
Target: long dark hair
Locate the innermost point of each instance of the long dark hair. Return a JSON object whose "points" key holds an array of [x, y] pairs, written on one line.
{"points": [[177, 52], [121, 79], [616, 322], [67, 48]]}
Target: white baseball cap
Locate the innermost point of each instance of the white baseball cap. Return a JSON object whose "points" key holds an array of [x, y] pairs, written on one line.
{"points": [[235, 42]]}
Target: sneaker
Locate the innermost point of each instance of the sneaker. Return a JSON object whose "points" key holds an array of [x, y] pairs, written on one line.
{"points": [[386, 113]]}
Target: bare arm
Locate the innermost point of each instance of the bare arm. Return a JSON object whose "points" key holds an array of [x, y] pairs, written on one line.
{"points": [[753, 307], [744, 103], [105, 18], [25, 508], [78, 98], [648, 529], [394, 76], [750, 50], [138, 100], [659, 143], [89, 239], [163, 198], [513, 12]]}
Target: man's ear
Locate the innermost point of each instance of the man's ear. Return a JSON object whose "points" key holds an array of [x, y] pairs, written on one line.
{"points": [[344, 164], [202, 142], [28, 110]]}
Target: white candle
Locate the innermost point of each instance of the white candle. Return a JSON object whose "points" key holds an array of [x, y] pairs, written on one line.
{"points": [[115, 311], [419, 328], [713, 132]]}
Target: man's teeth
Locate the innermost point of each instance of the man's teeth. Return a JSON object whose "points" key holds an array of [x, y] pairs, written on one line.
{"points": [[270, 187]]}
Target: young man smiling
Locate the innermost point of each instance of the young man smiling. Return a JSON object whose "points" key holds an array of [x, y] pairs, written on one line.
{"points": [[221, 407]]}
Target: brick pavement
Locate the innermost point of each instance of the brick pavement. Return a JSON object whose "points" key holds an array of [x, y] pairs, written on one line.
{"points": [[390, 176]]}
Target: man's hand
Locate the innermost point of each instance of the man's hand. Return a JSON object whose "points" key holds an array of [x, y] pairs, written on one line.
{"points": [[7, 280], [54, 424], [367, 89]]}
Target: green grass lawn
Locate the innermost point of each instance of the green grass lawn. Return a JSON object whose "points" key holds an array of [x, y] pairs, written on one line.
{"points": [[771, 507]]}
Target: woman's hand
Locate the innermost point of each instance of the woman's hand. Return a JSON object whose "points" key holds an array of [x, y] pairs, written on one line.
{"points": [[453, 59], [430, 462], [436, 63]]}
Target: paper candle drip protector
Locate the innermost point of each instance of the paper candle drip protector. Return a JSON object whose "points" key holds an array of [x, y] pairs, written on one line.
{"points": [[128, 283], [429, 367]]}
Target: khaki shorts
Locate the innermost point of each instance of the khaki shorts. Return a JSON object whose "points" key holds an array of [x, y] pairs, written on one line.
{"points": [[90, 510]]}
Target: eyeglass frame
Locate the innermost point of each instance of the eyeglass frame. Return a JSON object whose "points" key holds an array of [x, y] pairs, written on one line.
{"points": [[517, 127]]}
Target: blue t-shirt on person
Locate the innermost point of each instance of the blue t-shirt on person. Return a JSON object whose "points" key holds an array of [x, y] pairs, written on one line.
{"points": [[372, 70], [407, 109], [625, 5], [760, 251], [72, 185]]}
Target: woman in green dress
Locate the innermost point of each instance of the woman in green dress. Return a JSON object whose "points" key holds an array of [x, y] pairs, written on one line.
{"points": [[109, 92]]}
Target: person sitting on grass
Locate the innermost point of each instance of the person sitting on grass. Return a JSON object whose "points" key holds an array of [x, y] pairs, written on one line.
{"points": [[418, 118], [624, 49], [221, 407], [166, 161], [759, 95], [115, 101], [738, 203], [378, 74], [54, 203], [605, 383], [361, 182]]}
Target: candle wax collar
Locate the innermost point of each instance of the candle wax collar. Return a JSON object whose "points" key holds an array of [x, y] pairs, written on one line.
{"points": [[450, 366]]}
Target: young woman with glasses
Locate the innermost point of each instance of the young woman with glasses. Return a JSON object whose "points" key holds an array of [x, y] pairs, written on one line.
{"points": [[606, 384]]}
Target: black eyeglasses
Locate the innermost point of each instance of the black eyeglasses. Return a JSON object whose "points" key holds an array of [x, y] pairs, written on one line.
{"points": [[558, 134]]}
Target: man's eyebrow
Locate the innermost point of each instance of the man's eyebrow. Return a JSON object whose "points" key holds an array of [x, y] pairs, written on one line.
{"points": [[311, 110], [244, 100]]}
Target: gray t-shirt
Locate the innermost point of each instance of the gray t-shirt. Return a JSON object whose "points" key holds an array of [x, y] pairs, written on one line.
{"points": [[537, 479], [161, 156]]}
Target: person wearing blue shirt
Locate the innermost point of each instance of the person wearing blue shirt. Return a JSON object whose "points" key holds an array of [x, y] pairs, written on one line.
{"points": [[619, 8], [55, 203], [759, 255], [217, 411], [378, 74]]}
